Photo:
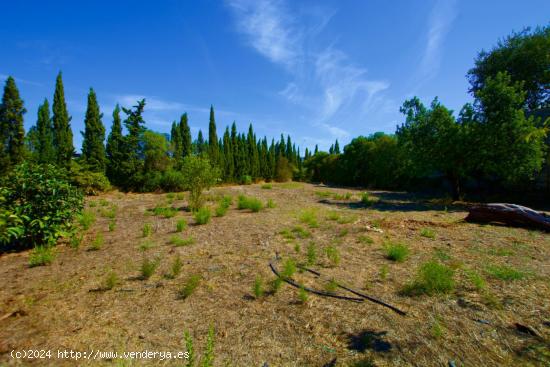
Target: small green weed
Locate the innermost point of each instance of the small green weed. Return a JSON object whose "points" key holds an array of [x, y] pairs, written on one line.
{"points": [[202, 216], [311, 254], [148, 267], [432, 278], [41, 255], [189, 286], [86, 219], [146, 230], [333, 255], [505, 273], [181, 242], [97, 243], [396, 251], [181, 225], [427, 232], [258, 287]]}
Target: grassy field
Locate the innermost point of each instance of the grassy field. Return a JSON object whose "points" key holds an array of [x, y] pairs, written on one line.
{"points": [[145, 271]]}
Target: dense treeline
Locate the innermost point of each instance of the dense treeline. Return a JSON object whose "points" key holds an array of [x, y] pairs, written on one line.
{"points": [[141, 159], [498, 141]]}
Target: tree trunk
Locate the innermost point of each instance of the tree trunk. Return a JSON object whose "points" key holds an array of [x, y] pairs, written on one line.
{"points": [[509, 214]]}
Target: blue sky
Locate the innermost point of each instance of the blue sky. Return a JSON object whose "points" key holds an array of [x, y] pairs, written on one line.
{"points": [[318, 70]]}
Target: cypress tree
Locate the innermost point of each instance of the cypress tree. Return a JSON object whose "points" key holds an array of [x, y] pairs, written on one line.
{"points": [[272, 159], [63, 135], [132, 151], [213, 139], [12, 133], [44, 150], [264, 162], [228, 153], [316, 149], [336, 147], [176, 141], [200, 143], [288, 153], [282, 148], [93, 150], [114, 148], [185, 134], [254, 164]]}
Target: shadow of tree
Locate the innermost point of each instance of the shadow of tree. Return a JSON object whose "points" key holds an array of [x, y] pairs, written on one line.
{"points": [[369, 340]]}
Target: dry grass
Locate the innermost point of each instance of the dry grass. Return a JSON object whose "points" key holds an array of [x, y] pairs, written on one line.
{"points": [[500, 275]]}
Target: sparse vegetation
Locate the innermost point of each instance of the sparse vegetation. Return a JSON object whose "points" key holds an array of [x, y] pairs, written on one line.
{"points": [[333, 255], [397, 252], [111, 280], [365, 240], [270, 204], [181, 225], [41, 255], [476, 279], [311, 253], [97, 243], [267, 186], [504, 272], [300, 232], [427, 232], [202, 216], [175, 268], [331, 286], [432, 278], [223, 205], [146, 230], [258, 287], [309, 217], [189, 286], [86, 219], [254, 204], [180, 242], [112, 226], [146, 245], [148, 267], [366, 199], [75, 240], [302, 295]]}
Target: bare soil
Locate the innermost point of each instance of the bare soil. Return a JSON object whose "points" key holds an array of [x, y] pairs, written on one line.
{"points": [[65, 306]]}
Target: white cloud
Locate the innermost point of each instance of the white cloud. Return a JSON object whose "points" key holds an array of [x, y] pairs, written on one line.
{"points": [[324, 81], [440, 22]]}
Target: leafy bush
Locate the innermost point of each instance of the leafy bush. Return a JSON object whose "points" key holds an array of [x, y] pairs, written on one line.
{"points": [[396, 251], [189, 286], [172, 180], [181, 225], [90, 182], [37, 206], [202, 216], [41, 255], [253, 204], [198, 175], [432, 278]]}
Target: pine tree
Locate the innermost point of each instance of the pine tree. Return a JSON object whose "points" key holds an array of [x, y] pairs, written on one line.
{"points": [[176, 141], [229, 159], [264, 161], [254, 163], [288, 153], [12, 133], [272, 159], [185, 134], [44, 150], [63, 135], [115, 143], [93, 150], [132, 152], [336, 147], [213, 149]]}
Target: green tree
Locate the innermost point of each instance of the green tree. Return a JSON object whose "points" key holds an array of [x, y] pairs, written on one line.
{"points": [[228, 156], [63, 135], [198, 175], [510, 146], [132, 149], [114, 149], [12, 133], [185, 134], [213, 149], [200, 144], [93, 148], [44, 151], [155, 151], [525, 56], [176, 141]]}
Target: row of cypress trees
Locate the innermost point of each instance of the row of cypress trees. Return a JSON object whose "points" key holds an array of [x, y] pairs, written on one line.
{"points": [[237, 155]]}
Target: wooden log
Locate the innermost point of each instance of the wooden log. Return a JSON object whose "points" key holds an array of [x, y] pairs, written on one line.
{"points": [[509, 214]]}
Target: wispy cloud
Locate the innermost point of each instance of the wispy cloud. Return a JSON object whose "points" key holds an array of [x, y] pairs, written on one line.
{"points": [[441, 19], [20, 80], [323, 78]]}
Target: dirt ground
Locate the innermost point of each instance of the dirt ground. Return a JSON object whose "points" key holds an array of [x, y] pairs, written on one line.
{"points": [[65, 305]]}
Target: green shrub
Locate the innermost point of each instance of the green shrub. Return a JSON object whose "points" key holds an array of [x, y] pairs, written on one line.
{"points": [[97, 243], [432, 278], [189, 286], [246, 180], [270, 204], [258, 287], [289, 268], [148, 267], [181, 225], [41, 255], [180, 242], [202, 216], [166, 212], [175, 268], [111, 280], [311, 254], [86, 219], [198, 175], [333, 255], [147, 230], [90, 182], [309, 217], [112, 226], [172, 180], [302, 295], [223, 205], [267, 186], [365, 199], [505, 273], [396, 251], [253, 204], [428, 233]]}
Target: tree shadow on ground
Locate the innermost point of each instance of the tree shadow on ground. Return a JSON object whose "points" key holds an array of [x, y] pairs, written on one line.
{"points": [[369, 340]]}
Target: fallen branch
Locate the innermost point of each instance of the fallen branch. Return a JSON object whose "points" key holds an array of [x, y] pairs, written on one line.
{"points": [[508, 214], [332, 295]]}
